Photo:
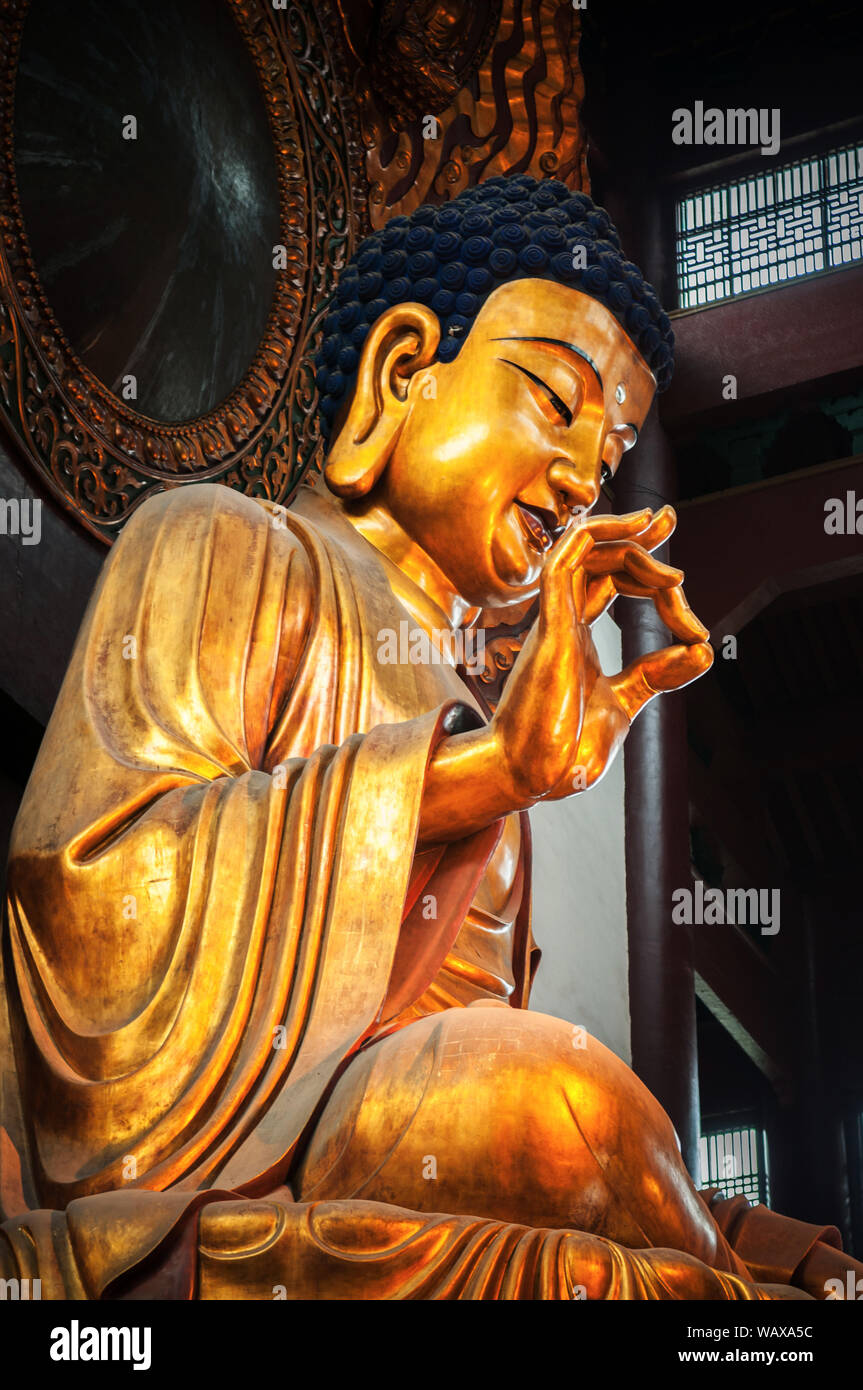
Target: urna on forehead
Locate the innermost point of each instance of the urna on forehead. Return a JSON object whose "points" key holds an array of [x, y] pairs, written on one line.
{"points": [[452, 258], [571, 327]]}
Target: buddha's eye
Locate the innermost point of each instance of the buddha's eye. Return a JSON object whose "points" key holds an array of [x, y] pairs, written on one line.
{"points": [[556, 410], [606, 475]]}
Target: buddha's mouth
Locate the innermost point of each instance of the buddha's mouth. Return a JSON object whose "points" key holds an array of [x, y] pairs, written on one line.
{"points": [[541, 526]]}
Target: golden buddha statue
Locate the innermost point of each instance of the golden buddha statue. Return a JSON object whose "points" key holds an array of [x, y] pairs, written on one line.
{"points": [[268, 950]]}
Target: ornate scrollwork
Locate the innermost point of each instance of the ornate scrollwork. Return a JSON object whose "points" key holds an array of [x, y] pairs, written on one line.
{"points": [[517, 110], [97, 454], [502, 642], [424, 52]]}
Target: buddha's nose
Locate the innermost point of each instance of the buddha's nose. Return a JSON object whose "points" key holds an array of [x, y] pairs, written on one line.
{"points": [[570, 484]]}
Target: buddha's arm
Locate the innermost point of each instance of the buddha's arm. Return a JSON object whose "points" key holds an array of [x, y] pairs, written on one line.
{"points": [[467, 787]]}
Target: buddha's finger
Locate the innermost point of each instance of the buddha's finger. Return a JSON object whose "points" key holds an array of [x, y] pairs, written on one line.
{"points": [[671, 606], [670, 668], [579, 581], [675, 612], [568, 551], [631, 588], [601, 594], [661, 527], [650, 529], [632, 557], [561, 598], [617, 528]]}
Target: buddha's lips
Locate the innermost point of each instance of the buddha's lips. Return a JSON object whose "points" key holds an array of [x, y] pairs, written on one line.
{"points": [[541, 526]]}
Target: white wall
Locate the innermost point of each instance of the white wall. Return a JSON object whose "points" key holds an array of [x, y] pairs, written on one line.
{"points": [[579, 898]]}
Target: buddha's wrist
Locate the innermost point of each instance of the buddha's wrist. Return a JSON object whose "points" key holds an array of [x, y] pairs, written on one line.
{"points": [[468, 786]]}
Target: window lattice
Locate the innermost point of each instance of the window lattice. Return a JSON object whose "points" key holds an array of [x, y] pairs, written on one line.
{"points": [[771, 227], [736, 1161]]}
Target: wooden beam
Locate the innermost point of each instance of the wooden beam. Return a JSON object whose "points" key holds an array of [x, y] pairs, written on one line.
{"points": [[743, 992], [773, 341], [741, 549]]}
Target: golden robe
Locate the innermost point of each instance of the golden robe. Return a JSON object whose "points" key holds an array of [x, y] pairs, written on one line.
{"points": [[215, 900]]}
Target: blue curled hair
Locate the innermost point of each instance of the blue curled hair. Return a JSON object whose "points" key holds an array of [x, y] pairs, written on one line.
{"points": [[452, 257]]}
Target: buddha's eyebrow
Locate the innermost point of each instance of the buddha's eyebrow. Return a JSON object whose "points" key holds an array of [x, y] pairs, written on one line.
{"points": [[557, 342]]}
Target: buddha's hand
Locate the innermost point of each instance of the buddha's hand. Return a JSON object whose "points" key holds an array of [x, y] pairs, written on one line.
{"points": [[561, 720]]}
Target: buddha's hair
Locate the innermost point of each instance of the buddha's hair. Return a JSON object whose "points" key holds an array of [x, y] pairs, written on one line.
{"points": [[451, 258]]}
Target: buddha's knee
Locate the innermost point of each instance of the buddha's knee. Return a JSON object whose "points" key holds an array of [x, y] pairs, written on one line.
{"points": [[483, 1110]]}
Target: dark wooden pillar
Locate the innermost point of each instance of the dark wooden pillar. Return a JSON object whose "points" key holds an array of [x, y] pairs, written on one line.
{"points": [[661, 980]]}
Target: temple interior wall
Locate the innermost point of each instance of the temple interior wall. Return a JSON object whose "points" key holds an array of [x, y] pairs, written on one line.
{"points": [[579, 898]]}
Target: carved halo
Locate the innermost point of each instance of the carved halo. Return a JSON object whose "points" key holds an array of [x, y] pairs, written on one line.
{"points": [[100, 457]]}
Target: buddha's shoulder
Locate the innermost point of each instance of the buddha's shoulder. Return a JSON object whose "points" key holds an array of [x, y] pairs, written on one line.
{"points": [[204, 503], [219, 518]]}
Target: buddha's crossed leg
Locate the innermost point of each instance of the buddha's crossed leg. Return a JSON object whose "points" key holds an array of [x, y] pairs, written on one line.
{"points": [[479, 1153], [518, 1116]]}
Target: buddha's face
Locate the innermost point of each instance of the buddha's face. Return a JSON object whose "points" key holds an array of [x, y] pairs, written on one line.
{"points": [[502, 447]]}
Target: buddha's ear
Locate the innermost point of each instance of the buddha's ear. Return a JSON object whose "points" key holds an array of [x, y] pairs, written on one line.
{"points": [[399, 344]]}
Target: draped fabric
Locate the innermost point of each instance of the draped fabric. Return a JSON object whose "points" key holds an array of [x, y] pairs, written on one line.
{"points": [[338, 1250], [209, 870], [773, 1246]]}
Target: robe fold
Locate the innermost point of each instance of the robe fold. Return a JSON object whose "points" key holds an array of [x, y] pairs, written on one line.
{"points": [[212, 861], [205, 1244]]}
